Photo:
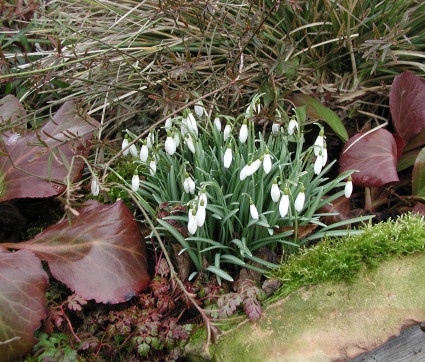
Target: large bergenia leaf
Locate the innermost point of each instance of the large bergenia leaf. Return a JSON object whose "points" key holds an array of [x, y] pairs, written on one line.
{"points": [[318, 111], [407, 104], [22, 302], [374, 155], [38, 162], [418, 175], [100, 256]]}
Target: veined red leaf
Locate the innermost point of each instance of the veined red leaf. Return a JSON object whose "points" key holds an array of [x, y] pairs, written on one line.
{"points": [[22, 302], [28, 171], [407, 104], [101, 256], [374, 155], [418, 175]]}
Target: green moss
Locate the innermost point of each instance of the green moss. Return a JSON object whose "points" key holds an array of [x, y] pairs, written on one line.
{"points": [[343, 258]]}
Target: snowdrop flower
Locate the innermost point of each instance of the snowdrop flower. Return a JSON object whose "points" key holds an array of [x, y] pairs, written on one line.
{"points": [[144, 152], [299, 201], [253, 210], [348, 188], [152, 166], [226, 132], [192, 224], [124, 145], [191, 122], [228, 157], [318, 164], [150, 140], [133, 150], [217, 123], [318, 144], [243, 175], [95, 188], [284, 203], [324, 154], [135, 182], [189, 141], [199, 109], [275, 128], [267, 162], [254, 166], [170, 146], [275, 192], [201, 214], [168, 124], [243, 133], [292, 125], [176, 139], [188, 184], [203, 197]]}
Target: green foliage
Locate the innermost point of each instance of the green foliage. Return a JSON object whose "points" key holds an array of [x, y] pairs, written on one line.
{"points": [[343, 258], [53, 347]]}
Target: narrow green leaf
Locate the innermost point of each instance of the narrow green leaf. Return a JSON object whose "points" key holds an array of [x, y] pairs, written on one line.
{"points": [[220, 273]]}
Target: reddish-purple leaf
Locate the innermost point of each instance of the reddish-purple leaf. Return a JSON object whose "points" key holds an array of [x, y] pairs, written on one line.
{"points": [[374, 155], [252, 307], [228, 303], [22, 302], [10, 109], [407, 104], [100, 256], [418, 175], [37, 157]]}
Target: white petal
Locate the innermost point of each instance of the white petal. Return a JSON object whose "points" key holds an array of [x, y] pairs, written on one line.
{"points": [[253, 167], [170, 146], [200, 216], [348, 189], [217, 123], [191, 186], [124, 145], [186, 186], [284, 205], [152, 167], [192, 123], [135, 183], [318, 164], [150, 140], [199, 109], [254, 212], [94, 187], [189, 143], [192, 224], [242, 175], [267, 163], [168, 124], [243, 133], [133, 150], [144, 152], [292, 125], [275, 192], [226, 132], [299, 201], [176, 139], [227, 160], [318, 145], [324, 157], [203, 197], [275, 128]]}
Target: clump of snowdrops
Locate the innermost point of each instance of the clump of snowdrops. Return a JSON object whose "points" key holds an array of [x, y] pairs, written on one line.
{"points": [[239, 187]]}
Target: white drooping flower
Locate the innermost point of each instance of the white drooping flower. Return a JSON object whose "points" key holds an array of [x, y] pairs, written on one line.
{"points": [[191, 122], [144, 152], [199, 109], [176, 139], [318, 144], [253, 210], [168, 124], [293, 124], [243, 175], [217, 124], [243, 133], [170, 146], [188, 184], [275, 192], [348, 188], [150, 140], [324, 154], [318, 164], [267, 162], [201, 214], [189, 141], [192, 225], [203, 197], [95, 188], [135, 182], [228, 157], [124, 145], [227, 131], [299, 201], [284, 203], [152, 166], [253, 167], [275, 128], [133, 150]]}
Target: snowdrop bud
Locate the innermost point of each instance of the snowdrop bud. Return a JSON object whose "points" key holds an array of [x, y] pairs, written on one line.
{"points": [[217, 123], [253, 210], [135, 182], [284, 203], [152, 167], [133, 150], [299, 201], [176, 139], [242, 175], [226, 132], [144, 152], [124, 145], [324, 154], [201, 214], [227, 159], [267, 162], [257, 106], [318, 144], [275, 128], [275, 192], [253, 167], [94, 186], [199, 109], [170, 146], [188, 140], [292, 125], [168, 124], [318, 164], [243, 133], [191, 121], [348, 188], [192, 224], [150, 140]]}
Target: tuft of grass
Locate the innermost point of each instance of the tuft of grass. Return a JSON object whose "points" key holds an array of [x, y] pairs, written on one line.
{"points": [[341, 259]]}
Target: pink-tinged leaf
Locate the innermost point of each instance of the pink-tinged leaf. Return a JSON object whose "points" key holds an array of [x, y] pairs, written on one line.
{"points": [[252, 307], [10, 109], [228, 304], [37, 157], [400, 144], [418, 175], [22, 302], [407, 104], [100, 256], [374, 155], [419, 209]]}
